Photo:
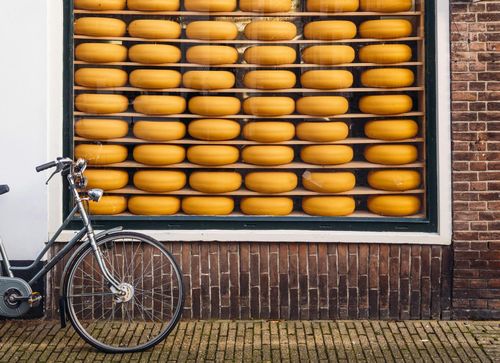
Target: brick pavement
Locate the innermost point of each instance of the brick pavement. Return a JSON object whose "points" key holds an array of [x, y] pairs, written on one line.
{"points": [[266, 341]]}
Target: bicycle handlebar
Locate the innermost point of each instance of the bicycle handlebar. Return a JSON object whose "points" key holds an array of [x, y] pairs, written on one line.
{"points": [[45, 166]]}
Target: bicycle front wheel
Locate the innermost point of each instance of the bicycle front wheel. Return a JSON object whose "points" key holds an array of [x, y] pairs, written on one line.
{"points": [[136, 319]]}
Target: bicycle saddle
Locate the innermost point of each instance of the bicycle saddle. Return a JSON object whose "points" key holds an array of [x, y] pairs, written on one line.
{"points": [[4, 189]]}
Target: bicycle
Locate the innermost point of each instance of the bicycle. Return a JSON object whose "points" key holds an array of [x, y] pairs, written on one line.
{"points": [[122, 291]]}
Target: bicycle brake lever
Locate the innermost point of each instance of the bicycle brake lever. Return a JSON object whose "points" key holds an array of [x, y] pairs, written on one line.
{"points": [[58, 169]]}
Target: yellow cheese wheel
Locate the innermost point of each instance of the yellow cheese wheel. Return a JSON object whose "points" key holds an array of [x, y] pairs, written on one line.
{"points": [[322, 105], [329, 206], [153, 5], [321, 182], [385, 53], [269, 131], [262, 206], [271, 182], [394, 205], [99, 154], [326, 154], [100, 77], [154, 53], [273, 79], [100, 52], [328, 54], [330, 30], [159, 105], [394, 180], [159, 130], [385, 29], [386, 6], [154, 29], [333, 6], [266, 6], [214, 130], [391, 154], [149, 205], [212, 30], [100, 27], [269, 106], [159, 181], [386, 104], [106, 179], [387, 78], [208, 80], [210, 206], [155, 78], [101, 103], [159, 154], [327, 79], [391, 129], [108, 205], [215, 182], [211, 5], [100, 5], [322, 131], [101, 128], [270, 55], [212, 54], [270, 30], [214, 105], [267, 155], [213, 155]]}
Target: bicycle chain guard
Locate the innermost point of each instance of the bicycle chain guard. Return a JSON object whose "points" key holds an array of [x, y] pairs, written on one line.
{"points": [[8, 287]]}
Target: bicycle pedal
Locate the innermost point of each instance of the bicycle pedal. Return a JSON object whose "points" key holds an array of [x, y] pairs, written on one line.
{"points": [[34, 299]]}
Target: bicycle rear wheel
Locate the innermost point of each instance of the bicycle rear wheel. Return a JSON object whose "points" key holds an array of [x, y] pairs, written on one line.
{"points": [[143, 316]]}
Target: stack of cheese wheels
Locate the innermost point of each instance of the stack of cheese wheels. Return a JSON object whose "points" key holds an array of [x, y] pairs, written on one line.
{"points": [[154, 53], [270, 79], [159, 105], [328, 206], [266, 206], [386, 6], [394, 205], [153, 205], [214, 129], [159, 130], [326, 154], [154, 29], [213, 155], [267, 155], [159, 155], [215, 182], [101, 129], [109, 205], [328, 182], [155, 78], [330, 30], [386, 104], [266, 6], [100, 5], [208, 205], [269, 131], [208, 80], [386, 29], [159, 181], [212, 30], [270, 182], [322, 131], [106, 179], [270, 55], [394, 180], [212, 54], [391, 154], [328, 54], [100, 52], [101, 154], [210, 6], [270, 30], [100, 77], [333, 6], [391, 130], [100, 27], [153, 5], [214, 105], [387, 78], [327, 79], [269, 106]]}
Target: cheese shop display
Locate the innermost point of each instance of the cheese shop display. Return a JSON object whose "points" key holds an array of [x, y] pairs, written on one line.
{"points": [[284, 109]]}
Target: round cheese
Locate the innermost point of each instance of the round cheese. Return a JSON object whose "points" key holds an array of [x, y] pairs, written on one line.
{"points": [[100, 27], [386, 6], [108, 205], [391, 129], [211, 206], [386, 104], [333, 6], [387, 78], [208, 80], [214, 181], [159, 105], [391, 154], [101, 129], [212, 30], [328, 54], [154, 29], [269, 106], [101, 103], [214, 130], [322, 105], [330, 30], [270, 30], [394, 205], [213, 155], [100, 5], [269, 131], [272, 79], [270, 55], [271, 182], [394, 180], [271, 206], [211, 5], [266, 6], [329, 206], [322, 131], [321, 182], [385, 29], [159, 130], [267, 155], [159, 155], [155, 78], [214, 105], [149, 205], [100, 77], [106, 179], [385, 53], [326, 154], [154, 53], [327, 79], [212, 54], [159, 181], [100, 52], [101, 154], [153, 5]]}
